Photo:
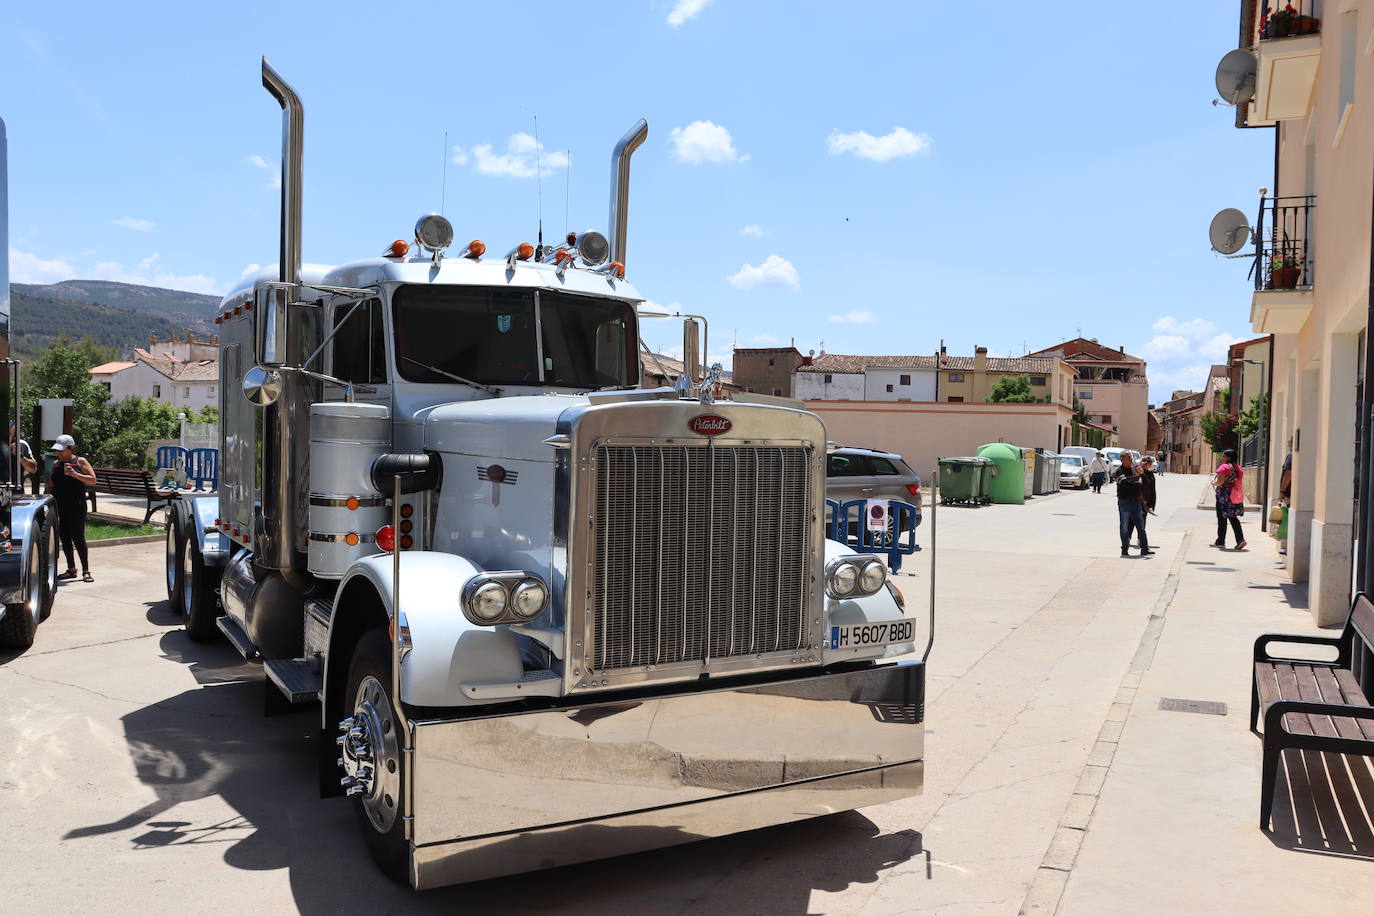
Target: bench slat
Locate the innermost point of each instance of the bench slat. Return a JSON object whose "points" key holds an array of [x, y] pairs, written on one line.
{"points": [[1311, 693], [1331, 693], [1295, 722], [1362, 618], [1266, 683], [1354, 696]]}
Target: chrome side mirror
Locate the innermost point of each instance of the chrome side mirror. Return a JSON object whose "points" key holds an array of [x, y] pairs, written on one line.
{"points": [[262, 386], [691, 352], [269, 326]]}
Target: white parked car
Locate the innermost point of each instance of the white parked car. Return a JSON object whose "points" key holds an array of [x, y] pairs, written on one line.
{"points": [[1073, 472]]}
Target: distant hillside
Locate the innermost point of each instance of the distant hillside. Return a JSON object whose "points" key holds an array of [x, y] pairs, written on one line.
{"points": [[171, 303], [37, 319]]}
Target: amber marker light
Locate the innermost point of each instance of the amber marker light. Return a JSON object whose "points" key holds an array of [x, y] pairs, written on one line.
{"points": [[351, 539], [560, 256], [476, 248], [352, 504], [525, 251], [616, 269], [398, 249]]}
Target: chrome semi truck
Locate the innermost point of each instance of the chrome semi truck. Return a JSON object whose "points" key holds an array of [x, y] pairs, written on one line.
{"points": [[548, 615], [28, 524]]}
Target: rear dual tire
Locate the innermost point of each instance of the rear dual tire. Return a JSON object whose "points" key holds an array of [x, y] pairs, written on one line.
{"points": [[19, 626], [192, 585]]}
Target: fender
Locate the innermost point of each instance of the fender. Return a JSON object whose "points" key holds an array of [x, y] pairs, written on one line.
{"points": [[445, 649], [201, 513], [23, 513], [879, 607]]}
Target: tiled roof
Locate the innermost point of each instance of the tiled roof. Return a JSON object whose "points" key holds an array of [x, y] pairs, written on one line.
{"points": [[1029, 364], [110, 368], [1081, 348], [841, 364], [205, 370]]}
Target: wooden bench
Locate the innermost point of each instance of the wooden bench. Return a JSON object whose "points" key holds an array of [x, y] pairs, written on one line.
{"points": [[132, 483], [1315, 705]]}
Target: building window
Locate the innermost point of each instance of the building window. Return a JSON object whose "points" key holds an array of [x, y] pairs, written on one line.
{"points": [[828, 379], [770, 364], [105, 385], [1104, 418], [777, 392], [185, 391], [1038, 380], [1085, 395], [212, 391], [1347, 97], [956, 376], [904, 380], [889, 389], [157, 391], [957, 399]]}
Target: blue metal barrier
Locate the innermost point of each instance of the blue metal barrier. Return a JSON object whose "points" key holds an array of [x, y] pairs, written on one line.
{"points": [[903, 519]]}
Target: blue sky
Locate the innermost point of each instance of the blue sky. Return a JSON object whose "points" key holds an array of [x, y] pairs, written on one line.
{"points": [[878, 176]]}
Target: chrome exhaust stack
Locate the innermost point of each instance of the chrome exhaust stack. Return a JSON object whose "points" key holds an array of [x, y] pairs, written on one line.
{"points": [[620, 187], [292, 154], [9, 377]]}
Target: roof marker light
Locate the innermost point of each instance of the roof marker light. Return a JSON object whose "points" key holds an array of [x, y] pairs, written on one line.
{"points": [[615, 269], [397, 249], [476, 248]]}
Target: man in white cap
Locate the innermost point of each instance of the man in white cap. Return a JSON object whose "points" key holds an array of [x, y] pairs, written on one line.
{"points": [[71, 475]]}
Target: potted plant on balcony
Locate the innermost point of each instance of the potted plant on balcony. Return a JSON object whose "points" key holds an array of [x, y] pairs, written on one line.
{"points": [[1278, 24], [1306, 25], [1285, 265]]}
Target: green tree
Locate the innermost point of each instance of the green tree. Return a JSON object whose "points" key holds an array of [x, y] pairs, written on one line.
{"points": [[1012, 389], [1255, 418]]}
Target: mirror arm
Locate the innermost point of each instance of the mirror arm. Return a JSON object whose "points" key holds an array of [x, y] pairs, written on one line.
{"points": [[336, 329]]}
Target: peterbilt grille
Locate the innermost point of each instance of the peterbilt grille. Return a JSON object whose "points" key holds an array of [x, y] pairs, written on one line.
{"points": [[700, 553]]}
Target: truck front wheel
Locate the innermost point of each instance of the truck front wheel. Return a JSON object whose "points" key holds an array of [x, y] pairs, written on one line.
{"points": [[370, 756]]}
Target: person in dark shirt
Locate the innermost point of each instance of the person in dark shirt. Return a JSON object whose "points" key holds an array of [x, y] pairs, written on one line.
{"points": [[1147, 489], [1129, 506]]}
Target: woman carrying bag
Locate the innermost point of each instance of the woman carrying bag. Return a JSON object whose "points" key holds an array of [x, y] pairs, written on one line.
{"points": [[1230, 499]]}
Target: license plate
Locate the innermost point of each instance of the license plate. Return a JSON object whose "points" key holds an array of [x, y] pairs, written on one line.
{"points": [[859, 635]]}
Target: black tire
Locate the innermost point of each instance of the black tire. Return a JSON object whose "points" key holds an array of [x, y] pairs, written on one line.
{"points": [[176, 544], [201, 595], [20, 623], [372, 660], [49, 549]]}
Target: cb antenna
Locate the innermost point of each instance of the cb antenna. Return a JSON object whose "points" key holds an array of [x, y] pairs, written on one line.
{"points": [[539, 184], [443, 186], [567, 188]]}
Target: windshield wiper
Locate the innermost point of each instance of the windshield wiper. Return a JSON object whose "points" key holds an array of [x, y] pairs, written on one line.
{"points": [[457, 378]]}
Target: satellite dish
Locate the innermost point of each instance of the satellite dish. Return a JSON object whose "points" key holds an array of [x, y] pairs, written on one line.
{"points": [[1236, 76], [1229, 231]]}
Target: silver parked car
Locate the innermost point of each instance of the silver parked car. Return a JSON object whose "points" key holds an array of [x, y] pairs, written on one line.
{"points": [[1073, 472], [865, 473]]}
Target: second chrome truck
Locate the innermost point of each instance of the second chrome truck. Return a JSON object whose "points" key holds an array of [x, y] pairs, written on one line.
{"points": [[548, 615]]}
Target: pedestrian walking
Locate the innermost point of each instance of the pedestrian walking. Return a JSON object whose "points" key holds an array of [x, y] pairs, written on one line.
{"points": [[1097, 472], [1163, 463], [1147, 489], [1230, 494], [71, 475], [1129, 506]]}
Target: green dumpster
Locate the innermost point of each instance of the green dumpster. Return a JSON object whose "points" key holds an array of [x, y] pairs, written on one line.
{"points": [[1009, 485], [965, 480]]}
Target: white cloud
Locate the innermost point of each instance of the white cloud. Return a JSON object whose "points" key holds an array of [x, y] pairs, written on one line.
{"points": [[460, 156], [258, 162], [29, 268], [755, 230], [863, 317], [137, 225], [1194, 329], [1217, 348], [1167, 346], [1182, 352], [250, 271], [774, 271], [900, 142], [651, 309], [686, 9], [518, 161], [148, 273], [704, 141]]}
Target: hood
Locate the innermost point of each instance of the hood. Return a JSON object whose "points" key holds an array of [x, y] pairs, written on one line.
{"points": [[509, 427]]}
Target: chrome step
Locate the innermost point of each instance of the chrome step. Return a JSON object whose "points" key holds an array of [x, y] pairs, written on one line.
{"points": [[298, 679], [237, 638]]}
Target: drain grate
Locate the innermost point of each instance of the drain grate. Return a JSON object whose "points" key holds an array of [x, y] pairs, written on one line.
{"points": [[1208, 707], [1067, 514]]}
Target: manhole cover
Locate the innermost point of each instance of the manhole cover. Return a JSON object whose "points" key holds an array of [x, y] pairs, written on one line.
{"points": [[1209, 707], [1067, 514]]}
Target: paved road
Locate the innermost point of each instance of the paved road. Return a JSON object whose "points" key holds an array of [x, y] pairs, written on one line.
{"points": [[141, 776]]}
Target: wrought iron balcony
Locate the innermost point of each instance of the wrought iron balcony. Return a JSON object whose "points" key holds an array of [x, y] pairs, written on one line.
{"points": [[1290, 20], [1283, 253]]}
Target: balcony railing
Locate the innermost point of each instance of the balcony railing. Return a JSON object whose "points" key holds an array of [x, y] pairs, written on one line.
{"points": [[1283, 253], [1287, 20]]}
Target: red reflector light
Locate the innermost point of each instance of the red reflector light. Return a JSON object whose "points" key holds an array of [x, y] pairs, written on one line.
{"points": [[386, 538], [913, 488], [406, 542]]}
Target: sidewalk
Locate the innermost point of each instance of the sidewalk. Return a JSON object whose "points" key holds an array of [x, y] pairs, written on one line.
{"points": [[1176, 826]]}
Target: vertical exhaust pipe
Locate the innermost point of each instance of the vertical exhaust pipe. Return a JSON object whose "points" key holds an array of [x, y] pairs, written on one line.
{"points": [[620, 186], [292, 154], [9, 393]]}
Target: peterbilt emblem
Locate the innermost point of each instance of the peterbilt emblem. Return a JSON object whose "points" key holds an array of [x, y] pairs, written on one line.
{"points": [[709, 424]]}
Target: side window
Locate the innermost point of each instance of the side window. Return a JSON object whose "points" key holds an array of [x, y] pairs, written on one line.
{"points": [[358, 350], [848, 466], [882, 465]]}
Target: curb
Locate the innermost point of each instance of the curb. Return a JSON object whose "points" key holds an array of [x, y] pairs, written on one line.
{"points": [[120, 542]]}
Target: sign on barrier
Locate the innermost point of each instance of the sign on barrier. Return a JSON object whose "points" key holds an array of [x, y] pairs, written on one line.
{"points": [[895, 536]]}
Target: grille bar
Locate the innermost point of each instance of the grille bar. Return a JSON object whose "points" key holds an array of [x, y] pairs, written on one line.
{"points": [[701, 552]]}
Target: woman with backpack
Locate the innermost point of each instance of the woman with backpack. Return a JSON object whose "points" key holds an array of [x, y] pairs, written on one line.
{"points": [[1230, 499]]}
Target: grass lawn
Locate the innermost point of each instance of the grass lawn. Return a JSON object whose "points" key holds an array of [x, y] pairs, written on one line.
{"points": [[100, 531]]}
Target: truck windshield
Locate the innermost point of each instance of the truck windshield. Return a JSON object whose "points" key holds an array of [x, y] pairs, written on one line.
{"points": [[489, 336]]}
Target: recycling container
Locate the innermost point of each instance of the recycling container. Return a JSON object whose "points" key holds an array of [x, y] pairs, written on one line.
{"points": [[1046, 472], [1009, 485], [1028, 479], [964, 480]]}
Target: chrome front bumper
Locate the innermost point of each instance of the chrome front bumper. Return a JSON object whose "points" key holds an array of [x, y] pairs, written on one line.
{"points": [[514, 793]]}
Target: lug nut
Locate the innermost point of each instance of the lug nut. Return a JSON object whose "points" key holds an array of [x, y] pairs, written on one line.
{"points": [[354, 792], [355, 732], [346, 724], [340, 740], [347, 781], [339, 762]]}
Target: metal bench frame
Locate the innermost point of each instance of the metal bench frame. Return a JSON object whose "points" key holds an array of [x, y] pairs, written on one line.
{"points": [[120, 482], [1331, 709]]}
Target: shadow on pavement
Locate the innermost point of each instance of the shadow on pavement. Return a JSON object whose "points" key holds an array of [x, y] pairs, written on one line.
{"points": [[1320, 803], [214, 741]]}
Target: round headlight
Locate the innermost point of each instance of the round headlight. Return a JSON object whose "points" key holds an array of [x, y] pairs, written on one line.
{"points": [[593, 248], [528, 598], [872, 576], [434, 232], [489, 602], [843, 578]]}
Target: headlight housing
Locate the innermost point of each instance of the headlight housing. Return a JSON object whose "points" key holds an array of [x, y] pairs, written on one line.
{"points": [[854, 577], [507, 596]]}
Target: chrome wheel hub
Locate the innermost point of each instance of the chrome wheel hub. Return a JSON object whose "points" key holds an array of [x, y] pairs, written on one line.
{"points": [[187, 582], [370, 756]]}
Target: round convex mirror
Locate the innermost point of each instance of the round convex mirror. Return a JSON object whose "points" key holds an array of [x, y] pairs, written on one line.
{"points": [[262, 386]]}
